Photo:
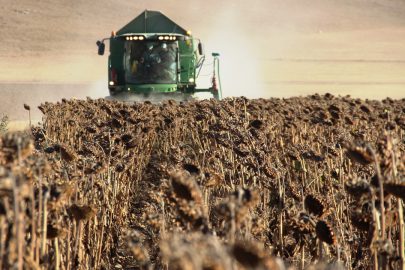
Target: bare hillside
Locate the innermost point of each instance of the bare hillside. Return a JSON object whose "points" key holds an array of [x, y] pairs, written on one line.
{"points": [[268, 48]]}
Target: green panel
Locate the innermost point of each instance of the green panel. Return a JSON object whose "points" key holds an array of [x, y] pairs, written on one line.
{"points": [[187, 68], [116, 59], [145, 88], [157, 88], [187, 61], [117, 46], [151, 22], [186, 46]]}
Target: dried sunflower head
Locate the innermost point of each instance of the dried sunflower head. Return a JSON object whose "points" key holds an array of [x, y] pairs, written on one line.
{"points": [[55, 231], [212, 179], [251, 256], [191, 168], [132, 244], [257, 124], [316, 205], [185, 187], [325, 232], [230, 210], [301, 224], [82, 212], [358, 151], [361, 221], [246, 197], [396, 186], [67, 153], [356, 187]]}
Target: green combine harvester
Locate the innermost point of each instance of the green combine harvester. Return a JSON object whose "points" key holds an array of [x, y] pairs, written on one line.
{"points": [[153, 58]]}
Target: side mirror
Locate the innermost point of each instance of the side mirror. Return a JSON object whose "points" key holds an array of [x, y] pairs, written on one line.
{"points": [[101, 47], [201, 48]]}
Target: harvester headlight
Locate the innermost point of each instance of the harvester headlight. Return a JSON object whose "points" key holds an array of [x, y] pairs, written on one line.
{"points": [[129, 89], [191, 80], [111, 82], [140, 38], [174, 38], [189, 32], [135, 38], [160, 38], [127, 38], [166, 37], [130, 38]]}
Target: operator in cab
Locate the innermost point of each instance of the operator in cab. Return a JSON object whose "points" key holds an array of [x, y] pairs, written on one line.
{"points": [[167, 69], [149, 59], [165, 53]]}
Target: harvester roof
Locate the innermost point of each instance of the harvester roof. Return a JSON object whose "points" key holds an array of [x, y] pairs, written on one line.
{"points": [[151, 22]]}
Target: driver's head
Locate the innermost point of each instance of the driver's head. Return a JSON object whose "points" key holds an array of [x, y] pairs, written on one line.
{"points": [[164, 47], [150, 47]]}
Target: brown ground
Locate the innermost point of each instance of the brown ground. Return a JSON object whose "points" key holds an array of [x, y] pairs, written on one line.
{"points": [[268, 48]]}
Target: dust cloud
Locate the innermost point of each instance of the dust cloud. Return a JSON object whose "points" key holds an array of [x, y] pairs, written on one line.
{"points": [[283, 49], [98, 89], [239, 70]]}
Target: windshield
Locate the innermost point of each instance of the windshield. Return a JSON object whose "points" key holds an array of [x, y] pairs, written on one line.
{"points": [[150, 62]]}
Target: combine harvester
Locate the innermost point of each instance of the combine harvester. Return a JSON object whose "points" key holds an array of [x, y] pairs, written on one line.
{"points": [[153, 58]]}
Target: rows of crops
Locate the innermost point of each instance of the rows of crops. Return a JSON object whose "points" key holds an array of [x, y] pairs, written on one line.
{"points": [[301, 182]]}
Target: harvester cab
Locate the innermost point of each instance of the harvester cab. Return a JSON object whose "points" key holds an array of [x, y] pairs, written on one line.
{"points": [[154, 58]]}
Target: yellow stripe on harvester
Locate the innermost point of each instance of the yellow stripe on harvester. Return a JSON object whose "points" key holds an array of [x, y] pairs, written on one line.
{"points": [[134, 67]]}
